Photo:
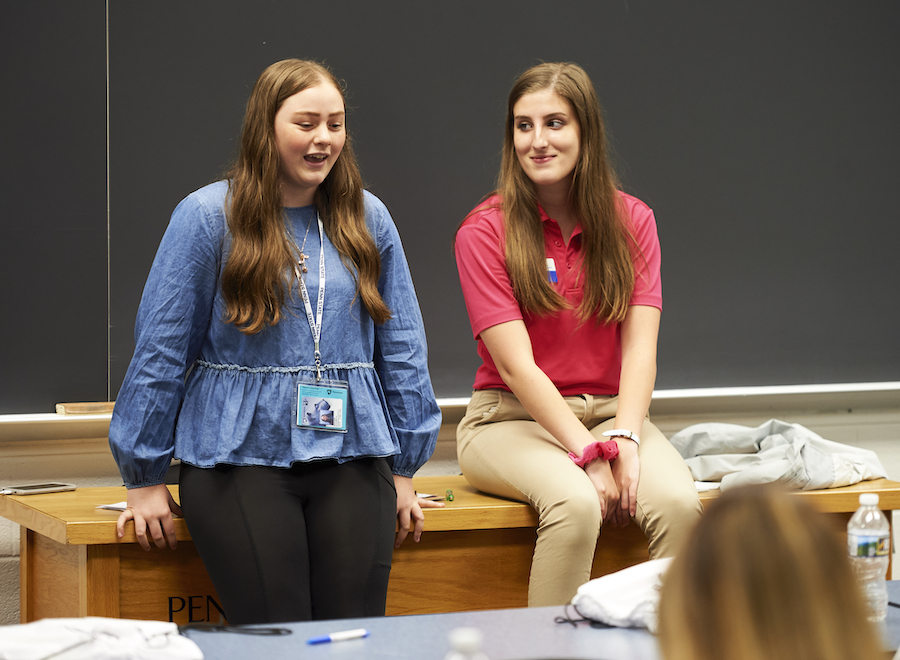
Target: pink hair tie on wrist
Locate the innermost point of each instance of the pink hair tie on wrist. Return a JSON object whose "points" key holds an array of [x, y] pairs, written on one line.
{"points": [[605, 451]]}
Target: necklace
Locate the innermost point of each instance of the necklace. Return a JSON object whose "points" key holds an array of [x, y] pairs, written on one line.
{"points": [[304, 257]]}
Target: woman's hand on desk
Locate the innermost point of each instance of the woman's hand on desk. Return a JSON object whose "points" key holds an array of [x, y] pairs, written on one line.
{"points": [[409, 509], [151, 509]]}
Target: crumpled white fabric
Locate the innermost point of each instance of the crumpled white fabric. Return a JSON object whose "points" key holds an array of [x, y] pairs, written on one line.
{"points": [[96, 638], [626, 598], [774, 451]]}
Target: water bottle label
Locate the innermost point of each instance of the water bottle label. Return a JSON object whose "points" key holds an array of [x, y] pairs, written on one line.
{"points": [[868, 546]]}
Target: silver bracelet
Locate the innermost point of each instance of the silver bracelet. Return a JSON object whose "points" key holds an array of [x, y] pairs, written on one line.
{"points": [[623, 433]]}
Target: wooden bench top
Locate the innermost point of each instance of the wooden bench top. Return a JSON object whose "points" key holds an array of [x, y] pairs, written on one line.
{"points": [[465, 511], [72, 517]]}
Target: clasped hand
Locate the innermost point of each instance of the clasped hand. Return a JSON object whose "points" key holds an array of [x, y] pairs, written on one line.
{"points": [[616, 483]]}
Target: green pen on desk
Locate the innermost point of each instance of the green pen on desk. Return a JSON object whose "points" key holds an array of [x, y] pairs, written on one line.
{"points": [[448, 495]]}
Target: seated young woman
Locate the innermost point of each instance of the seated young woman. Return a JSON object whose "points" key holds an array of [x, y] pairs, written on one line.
{"points": [[560, 271]]}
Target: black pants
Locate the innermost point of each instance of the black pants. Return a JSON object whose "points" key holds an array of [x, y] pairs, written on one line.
{"points": [[310, 542]]}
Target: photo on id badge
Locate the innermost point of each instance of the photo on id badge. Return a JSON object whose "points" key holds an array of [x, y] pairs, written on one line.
{"points": [[321, 412]]}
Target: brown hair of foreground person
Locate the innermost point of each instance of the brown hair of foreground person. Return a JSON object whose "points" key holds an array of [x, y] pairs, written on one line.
{"points": [[764, 576]]}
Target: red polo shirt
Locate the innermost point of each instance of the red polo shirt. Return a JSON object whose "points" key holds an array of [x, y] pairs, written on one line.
{"points": [[580, 358]]}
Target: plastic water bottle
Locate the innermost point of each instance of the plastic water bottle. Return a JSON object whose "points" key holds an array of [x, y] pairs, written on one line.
{"points": [[466, 644], [869, 545]]}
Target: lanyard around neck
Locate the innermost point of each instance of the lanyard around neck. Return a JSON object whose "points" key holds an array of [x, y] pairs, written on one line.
{"points": [[315, 323]]}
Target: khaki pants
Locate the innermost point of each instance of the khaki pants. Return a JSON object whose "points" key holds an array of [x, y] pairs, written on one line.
{"points": [[503, 451]]}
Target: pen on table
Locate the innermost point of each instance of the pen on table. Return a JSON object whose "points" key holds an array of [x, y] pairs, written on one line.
{"points": [[435, 498], [339, 636]]}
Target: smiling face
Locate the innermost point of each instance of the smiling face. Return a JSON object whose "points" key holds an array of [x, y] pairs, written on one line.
{"points": [[309, 135], [547, 139]]}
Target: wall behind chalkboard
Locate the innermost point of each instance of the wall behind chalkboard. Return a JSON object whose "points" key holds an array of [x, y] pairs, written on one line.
{"points": [[763, 134]]}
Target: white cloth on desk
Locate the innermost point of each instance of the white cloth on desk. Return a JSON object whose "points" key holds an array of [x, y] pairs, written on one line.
{"points": [[774, 451], [96, 638], [626, 598]]}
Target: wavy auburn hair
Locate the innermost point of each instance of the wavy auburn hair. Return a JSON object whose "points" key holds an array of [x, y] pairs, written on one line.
{"points": [[764, 576], [259, 273], [594, 196]]}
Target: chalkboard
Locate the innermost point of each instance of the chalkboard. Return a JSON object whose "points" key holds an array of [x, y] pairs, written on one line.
{"points": [[53, 254], [763, 134]]}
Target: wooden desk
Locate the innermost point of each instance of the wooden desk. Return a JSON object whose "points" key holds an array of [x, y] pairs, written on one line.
{"points": [[474, 555], [476, 552], [71, 563]]}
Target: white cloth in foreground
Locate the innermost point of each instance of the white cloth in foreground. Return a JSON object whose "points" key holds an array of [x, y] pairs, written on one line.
{"points": [[626, 598], [774, 451], [96, 638]]}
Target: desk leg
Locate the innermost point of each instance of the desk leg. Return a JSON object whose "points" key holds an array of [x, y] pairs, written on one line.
{"points": [[48, 578], [57, 580], [98, 580], [25, 556]]}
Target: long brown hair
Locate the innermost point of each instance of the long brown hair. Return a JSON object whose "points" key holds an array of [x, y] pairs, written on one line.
{"points": [[259, 273], [764, 576], [607, 264]]}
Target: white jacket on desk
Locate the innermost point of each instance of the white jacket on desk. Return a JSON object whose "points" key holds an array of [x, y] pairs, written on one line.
{"points": [[96, 638], [774, 451], [626, 598]]}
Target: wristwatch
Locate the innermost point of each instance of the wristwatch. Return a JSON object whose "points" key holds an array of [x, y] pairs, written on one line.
{"points": [[623, 433]]}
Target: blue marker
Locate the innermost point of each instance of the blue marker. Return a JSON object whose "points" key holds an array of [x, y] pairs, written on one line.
{"points": [[551, 270], [339, 636]]}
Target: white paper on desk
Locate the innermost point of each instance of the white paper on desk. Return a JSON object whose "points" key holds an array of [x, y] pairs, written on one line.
{"points": [[703, 486], [118, 506]]}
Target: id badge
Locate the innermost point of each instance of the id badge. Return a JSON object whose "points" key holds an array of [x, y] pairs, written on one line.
{"points": [[322, 405]]}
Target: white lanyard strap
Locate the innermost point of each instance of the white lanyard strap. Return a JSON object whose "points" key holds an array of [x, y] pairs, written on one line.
{"points": [[315, 324]]}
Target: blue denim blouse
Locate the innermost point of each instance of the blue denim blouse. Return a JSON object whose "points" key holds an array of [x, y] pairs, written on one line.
{"points": [[198, 387]]}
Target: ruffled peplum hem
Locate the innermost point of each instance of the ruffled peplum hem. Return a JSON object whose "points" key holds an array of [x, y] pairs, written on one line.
{"points": [[238, 415]]}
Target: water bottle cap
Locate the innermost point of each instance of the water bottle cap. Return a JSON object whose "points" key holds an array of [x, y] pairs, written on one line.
{"points": [[868, 499]]}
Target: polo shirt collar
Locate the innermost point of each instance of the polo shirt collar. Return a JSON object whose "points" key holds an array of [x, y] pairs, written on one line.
{"points": [[547, 218]]}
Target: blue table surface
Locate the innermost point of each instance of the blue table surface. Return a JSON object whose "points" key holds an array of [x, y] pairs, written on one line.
{"points": [[516, 634]]}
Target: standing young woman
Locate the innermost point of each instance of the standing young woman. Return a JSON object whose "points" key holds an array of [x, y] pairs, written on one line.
{"points": [[560, 273], [299, 411]]}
